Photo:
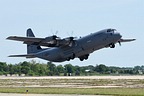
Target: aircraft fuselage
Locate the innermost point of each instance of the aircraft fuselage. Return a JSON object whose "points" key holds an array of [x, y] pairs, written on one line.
{"points": [[82, 47]]}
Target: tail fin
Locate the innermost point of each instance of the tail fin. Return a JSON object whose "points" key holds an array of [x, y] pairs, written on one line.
{"points": [[30, 33], [30, 47]]}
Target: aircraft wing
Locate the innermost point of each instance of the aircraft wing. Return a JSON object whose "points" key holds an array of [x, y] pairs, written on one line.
{"points": [[126, 40], [25, 39], [50, 41]]}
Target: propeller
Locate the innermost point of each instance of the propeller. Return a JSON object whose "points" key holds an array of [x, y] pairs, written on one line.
{"points": [[52, 39], [71, 37], [71, 40]]}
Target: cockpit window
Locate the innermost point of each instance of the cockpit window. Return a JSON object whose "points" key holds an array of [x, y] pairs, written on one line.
{"points": [[111, 30], [108, 30]]}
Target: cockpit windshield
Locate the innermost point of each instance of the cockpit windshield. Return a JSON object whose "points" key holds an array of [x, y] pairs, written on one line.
{"points": [[111, 30]]}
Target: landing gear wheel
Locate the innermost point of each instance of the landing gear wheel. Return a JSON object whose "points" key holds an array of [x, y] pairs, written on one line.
{"points": [[81, 59], [68, 59], [86, 57], [112, 45], [73, 56]]}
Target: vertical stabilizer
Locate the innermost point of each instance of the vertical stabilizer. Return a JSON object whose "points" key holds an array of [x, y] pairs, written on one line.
{"points": [[30, 33], [31, 48]]}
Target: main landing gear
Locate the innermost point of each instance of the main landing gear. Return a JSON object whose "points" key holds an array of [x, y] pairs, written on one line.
{"points": [[84, 57], [72, 57]]}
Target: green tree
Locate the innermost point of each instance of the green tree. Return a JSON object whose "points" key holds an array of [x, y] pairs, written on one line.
{"points": [[42, 69], [77, 70], [3, 67], [25, 67], [101, 68], [35, 68], [18, 69], [52, 68], [60, 69], [69, 69], [11, 69]]}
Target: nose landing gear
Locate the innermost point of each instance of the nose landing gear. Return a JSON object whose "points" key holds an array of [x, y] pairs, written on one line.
{"points": [[112, 45]]}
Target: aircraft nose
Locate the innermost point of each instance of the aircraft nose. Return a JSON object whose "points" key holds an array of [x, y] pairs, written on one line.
{"points": [[118, 35]]}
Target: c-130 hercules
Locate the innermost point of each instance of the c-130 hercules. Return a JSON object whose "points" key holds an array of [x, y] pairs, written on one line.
{"points": [[65, 49]]}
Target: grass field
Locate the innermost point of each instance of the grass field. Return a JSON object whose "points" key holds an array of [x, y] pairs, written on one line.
{"points": [[82, 91], [76, 85]]}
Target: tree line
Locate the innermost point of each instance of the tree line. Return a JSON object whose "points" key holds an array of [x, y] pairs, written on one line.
{"points": [[33, 68]]}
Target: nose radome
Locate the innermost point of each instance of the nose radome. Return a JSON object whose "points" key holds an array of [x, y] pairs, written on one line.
{"points": [[118, 34]]}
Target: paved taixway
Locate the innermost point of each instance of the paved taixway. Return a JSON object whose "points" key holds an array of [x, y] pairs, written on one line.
{"points": [[75, 77]]}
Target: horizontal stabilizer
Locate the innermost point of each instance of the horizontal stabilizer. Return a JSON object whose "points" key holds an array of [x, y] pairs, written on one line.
{"points": [[26, 55], [126, 40]]}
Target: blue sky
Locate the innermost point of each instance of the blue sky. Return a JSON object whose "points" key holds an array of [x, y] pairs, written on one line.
{"points": [[82, 17]]}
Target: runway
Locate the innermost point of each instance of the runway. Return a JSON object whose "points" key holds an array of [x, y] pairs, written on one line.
{"points": [[75, 77], [73, 81]]}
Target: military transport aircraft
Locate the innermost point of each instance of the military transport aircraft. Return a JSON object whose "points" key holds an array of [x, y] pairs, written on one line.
{"points": [[59, 50]]}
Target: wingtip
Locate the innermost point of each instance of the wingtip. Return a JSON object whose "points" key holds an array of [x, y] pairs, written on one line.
{"points": [[13, 56], [133, 39], [11, 37], [10, 56], [8, 38]]}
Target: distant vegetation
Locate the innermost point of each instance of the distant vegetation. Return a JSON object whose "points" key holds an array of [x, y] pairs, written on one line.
{"points": [[33, 68]]}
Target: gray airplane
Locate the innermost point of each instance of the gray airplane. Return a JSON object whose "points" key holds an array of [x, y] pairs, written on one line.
{"points": [[59, 50]]}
